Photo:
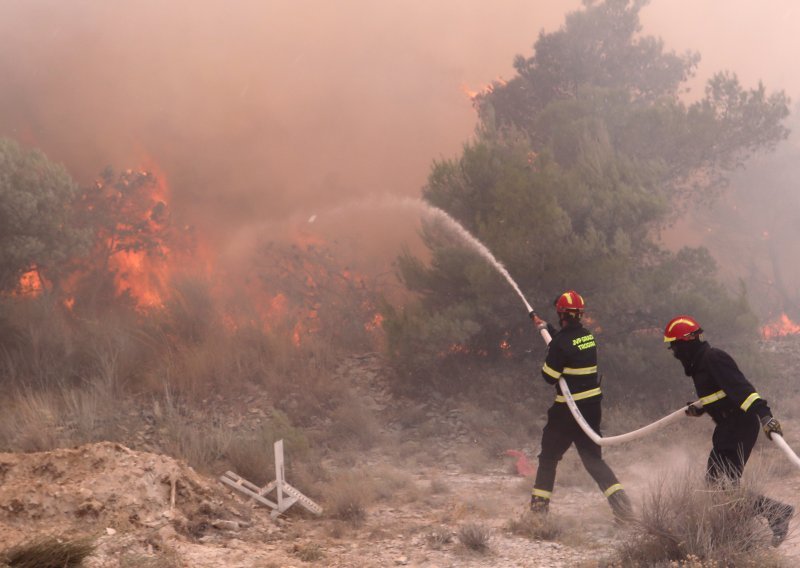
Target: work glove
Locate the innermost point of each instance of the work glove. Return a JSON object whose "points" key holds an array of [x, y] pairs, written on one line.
{"points": [[538, 322], [771, 426], [694, 411]]}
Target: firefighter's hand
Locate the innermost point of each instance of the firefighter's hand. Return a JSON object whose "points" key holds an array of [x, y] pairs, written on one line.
{"points": [[771, 426], [538, 322], [694, 411]]}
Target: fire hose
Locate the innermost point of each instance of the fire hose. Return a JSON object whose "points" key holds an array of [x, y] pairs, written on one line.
{"points": [[643, 431]]}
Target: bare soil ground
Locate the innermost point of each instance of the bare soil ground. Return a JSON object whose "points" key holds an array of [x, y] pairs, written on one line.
{"points": [[147, 509]]}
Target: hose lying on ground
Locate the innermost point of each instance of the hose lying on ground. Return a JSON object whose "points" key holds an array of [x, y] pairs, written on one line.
{"points": [[777, 439]]}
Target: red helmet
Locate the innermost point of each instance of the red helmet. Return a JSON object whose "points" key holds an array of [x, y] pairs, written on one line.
{"points": [[682, 328], [570, 302]]}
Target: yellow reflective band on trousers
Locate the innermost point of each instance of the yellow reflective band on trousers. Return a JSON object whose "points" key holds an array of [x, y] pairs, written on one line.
{"points": [[552, 372], [541, 493], [749, 400], [714, 397], [613, 489], [580, 371], [579, 395]]}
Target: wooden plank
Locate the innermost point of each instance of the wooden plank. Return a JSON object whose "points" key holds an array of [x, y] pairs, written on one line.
{"points": [[302, 499], [280, 484], [248, 492], [243, 482], [279, 473]]}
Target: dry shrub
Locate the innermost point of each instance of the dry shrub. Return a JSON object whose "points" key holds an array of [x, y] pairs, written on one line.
{"points": [[49, 552], [252, 458], [684, 521], [348, 496], [536, 526], [201, 445], [474, 536], [252, 455], [308, 551], [438, 537]]}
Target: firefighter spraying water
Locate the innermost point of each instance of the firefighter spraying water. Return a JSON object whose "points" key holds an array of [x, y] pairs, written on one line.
{"points": [[559, 367], [572, 357]]}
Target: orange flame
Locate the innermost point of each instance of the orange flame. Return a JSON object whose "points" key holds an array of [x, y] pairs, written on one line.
{"points": [[30, 283], [781, 327]]}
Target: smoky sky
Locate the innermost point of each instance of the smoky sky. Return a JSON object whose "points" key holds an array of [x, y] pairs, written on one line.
{"points": [[260, 110]]}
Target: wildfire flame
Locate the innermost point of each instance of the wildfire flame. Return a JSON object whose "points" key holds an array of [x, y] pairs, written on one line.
{"points": [[138, 258], [30, 283], [781, 327]]}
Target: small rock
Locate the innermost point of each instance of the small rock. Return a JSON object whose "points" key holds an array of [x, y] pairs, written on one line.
{"points": [[224, 525]]}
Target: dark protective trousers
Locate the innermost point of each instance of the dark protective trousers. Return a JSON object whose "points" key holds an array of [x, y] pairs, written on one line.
{"points": [[732, 443], [560, 432]]}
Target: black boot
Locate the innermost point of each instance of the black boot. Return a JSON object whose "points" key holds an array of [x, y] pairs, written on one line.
{"points": [[539, 505], [621, 507], [778, 517]]}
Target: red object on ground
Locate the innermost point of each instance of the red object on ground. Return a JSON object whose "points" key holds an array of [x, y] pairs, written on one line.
{"points": [[524, 467]]}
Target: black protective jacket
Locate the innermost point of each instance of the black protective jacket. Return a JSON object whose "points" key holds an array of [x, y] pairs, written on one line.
{"points": [[721, 386], [573, 354]]}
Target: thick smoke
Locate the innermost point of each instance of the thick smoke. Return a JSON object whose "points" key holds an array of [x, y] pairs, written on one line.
{"points": [[255, 110], [260, 112]]}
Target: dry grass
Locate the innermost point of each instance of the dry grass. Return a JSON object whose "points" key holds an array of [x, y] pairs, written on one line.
{"points": [[43, 420], [308, 552], [475, 537], [348, 496], [536, 526], [683, 521], [49, 552]]}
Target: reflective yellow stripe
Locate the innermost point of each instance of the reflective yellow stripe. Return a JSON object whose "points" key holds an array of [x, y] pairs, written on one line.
{"points": [[542, 493], [579, 395], [552, 372], [749, 400], [613, 489], [580, 370], [713, 397]]}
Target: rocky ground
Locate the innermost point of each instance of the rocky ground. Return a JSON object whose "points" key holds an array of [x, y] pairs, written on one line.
{"points": [[148, 509]]}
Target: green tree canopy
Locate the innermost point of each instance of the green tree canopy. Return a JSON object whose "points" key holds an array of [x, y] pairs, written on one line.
{"points": [[578, 161], [37, 228]]}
